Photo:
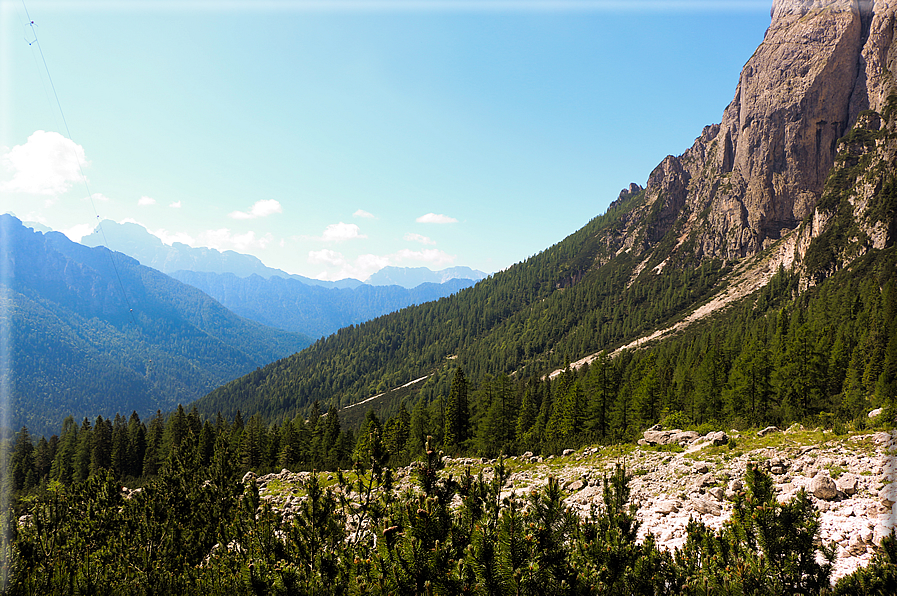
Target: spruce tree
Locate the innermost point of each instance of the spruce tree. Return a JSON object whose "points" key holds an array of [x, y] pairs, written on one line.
{"points": [[457, 414]]}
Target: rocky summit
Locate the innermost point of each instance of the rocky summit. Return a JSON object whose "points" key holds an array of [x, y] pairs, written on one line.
{"points": [[754, 177]]}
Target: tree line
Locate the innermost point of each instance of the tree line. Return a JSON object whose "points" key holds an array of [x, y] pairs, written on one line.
{"points": [[197, 529]]}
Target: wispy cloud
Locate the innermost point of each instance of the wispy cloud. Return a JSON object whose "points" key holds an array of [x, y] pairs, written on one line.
{"points": [[436, 218], [47, 164], [259, 209], [224, 239], [340, 232], [360, 268], [431, 255], [170, 238], [76, 233], [146, 201], [363, 266], [325, 256], [363, 214], [175, 205], [413, 237]]}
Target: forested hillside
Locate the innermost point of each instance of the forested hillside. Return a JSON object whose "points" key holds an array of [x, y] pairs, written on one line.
{"points": [[713, 223], [90, 337]]}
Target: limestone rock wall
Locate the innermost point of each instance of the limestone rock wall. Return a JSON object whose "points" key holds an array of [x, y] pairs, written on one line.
{"points": [[755, 176]]}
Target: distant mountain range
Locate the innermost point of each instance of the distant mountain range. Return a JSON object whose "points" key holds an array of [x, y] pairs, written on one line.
{"points": [[93, 335], [276, 298], [136, 241], [292, 305], [411, 277]]}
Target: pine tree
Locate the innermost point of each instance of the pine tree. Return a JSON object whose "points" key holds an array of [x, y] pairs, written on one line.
{"points": [[136, 449], [119, 456], [151, 456], [22, 464], [101, 446], [526, 417], [44, 453], [398, 434], [63, 470], [457, 414], [331, 453], [370, 428], [599, 394], [648, 393], [420, 428], [83, 452]]}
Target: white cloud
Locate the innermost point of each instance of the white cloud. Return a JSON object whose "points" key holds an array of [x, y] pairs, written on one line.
{"points": [[430, 255], [146, 201], [97, 197], [175, 205], [76, 233], [361, 268], [339, 232], [170, 238], [363, 214], [47, 164], [259, 209], [436, 218], [35, 217], [412, 237], [224, 239], [326, 256]]}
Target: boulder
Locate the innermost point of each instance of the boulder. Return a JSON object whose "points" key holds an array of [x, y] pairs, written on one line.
{"points": [[667, 506], [655, 436], [575, 485], [888, 495], [768, 431], [683, 437], [717, 438], [706, 507], [823, 487], [847, 484], [704, 480]]}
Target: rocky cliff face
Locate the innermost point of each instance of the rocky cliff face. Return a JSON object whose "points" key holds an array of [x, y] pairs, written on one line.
{"points": [[751, 179]]}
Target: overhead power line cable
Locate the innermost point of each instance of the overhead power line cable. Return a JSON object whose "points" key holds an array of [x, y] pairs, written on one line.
{"points": [[36, 42]]}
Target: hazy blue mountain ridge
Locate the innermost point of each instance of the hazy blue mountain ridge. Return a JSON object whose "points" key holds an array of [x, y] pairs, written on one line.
{"points": [[134, 240], [91, 337], [292, 305]]}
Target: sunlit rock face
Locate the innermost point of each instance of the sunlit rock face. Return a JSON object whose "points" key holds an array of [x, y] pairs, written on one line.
{"points": [[755, 176]]}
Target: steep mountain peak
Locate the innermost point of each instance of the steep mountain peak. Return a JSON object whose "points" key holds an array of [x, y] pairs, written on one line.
{"points": [[755, 176]]}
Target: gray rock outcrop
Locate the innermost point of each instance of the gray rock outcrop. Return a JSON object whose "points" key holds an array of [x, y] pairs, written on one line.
{"points": [[756, 175]]}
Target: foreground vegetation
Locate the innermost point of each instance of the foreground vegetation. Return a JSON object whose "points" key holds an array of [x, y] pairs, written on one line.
{"points": [[196, 529]]}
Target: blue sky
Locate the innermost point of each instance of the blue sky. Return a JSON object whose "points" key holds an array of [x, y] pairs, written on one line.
{"points": [[331, 139]]}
